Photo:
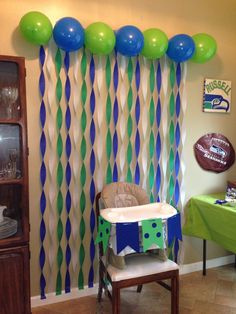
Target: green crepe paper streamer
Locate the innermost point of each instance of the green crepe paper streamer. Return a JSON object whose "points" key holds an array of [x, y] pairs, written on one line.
{"points": [[129, 152], [59, 118], [82, 202], [60, 229], [129, 126], [84, 92], [82, 228], [108, 122], [171, 160], [103, 235], [152, 233], [151, 175], [59, 174], [58, 61], [83, 148], [83, 175], [130, 99], [130, 70], [108, 109], [59, 90], [151, 145], [59, 205], [108, 73], [171, 188], [172, 133], [83, 65], [108, 174], [83, 123], [59, 279], [60, 202], [172, 104], [108, 144], [151, 112], [172, 75], [152, 78], [59, 146], [81, 261]]}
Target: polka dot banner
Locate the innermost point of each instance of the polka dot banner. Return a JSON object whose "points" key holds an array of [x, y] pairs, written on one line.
{"points": [[152, 233]]}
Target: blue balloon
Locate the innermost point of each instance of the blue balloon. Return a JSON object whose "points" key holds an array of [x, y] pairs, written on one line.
{"points": [[68, 34], [129, 41], [181, 48]]}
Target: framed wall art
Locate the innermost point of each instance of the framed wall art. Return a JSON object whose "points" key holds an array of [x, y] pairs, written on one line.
{"points": [[217, 95]]}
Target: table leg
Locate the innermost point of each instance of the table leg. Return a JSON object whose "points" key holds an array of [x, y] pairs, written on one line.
{"points": [[235, 261], [204, 258]]}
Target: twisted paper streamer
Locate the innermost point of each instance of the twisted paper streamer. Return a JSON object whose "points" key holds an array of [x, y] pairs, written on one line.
{"points": [[108, 122], [129, 152], [92, 170], [51, 162], [122, 66], [83, 148], [75, 162], [100, 131], [68, 171], [58, 62], [164, 128], [115, 119], [158, 136], [171, 136], [43, 172], [177, 136], [137, 118], [144, 124], [151, 143], [183, 136], [181, 203]]}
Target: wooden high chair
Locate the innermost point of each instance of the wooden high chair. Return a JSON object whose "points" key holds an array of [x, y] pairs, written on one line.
{"points": [[140, 269]]}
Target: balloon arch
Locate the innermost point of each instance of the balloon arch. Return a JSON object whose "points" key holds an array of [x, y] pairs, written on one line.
{"points": [[100, 39]]}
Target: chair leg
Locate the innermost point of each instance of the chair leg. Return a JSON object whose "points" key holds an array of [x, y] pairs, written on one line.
{"points": [[139, 288], [100, 285], [115, 299], [175, 294]]}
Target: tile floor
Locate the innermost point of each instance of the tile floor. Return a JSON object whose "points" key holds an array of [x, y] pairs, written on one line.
{"points": [[212, 294]]}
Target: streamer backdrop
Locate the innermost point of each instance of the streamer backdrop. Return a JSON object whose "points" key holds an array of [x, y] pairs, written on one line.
{"points": [[125, 124]]}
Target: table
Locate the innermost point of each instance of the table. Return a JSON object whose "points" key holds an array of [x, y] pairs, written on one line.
{"points": [[210, 221]]}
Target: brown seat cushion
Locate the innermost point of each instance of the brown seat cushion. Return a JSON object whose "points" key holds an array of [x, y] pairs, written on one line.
{"points": [[123, 194]]}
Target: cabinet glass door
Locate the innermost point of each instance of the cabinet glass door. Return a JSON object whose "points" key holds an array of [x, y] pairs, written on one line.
{"points": [[9, 90]]}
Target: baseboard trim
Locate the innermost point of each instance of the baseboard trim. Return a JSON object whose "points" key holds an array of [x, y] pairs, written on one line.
{"points": [[75, 293], [215, 262]]}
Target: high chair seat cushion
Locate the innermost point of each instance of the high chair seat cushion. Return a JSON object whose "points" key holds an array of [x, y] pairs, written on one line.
{"points": [[139, 266], [122, 194]]}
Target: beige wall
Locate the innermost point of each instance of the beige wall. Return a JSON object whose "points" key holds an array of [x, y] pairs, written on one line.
{"points": [[184, 16]]}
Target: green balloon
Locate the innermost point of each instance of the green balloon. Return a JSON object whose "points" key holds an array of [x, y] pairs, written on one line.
{"points": [[99, 38], [205, 48], [36, 28], [155, 43]]}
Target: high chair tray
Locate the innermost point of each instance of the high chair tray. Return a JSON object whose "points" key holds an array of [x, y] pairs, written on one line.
{"points": [[138, 213]]}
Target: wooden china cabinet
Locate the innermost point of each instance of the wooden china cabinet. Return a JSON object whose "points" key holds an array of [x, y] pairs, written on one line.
{"points": [[14, 195]]}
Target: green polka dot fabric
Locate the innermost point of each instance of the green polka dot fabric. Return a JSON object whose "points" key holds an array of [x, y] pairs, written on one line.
{"points": [[152, 233], [103, 235]]}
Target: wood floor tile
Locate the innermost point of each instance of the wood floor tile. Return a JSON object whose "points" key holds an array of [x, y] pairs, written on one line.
{"points": [[211, 294], [210, 308]]}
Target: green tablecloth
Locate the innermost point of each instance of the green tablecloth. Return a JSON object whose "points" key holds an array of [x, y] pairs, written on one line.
{"points": [[207, 220]]}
